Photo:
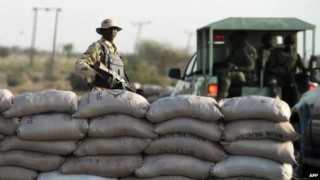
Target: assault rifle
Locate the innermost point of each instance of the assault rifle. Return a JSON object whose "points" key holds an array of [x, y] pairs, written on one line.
{"points": [[106, 73]]}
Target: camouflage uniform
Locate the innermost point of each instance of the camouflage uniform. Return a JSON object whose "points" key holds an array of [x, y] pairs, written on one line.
{"points": [[104, 52], [240, 70]]}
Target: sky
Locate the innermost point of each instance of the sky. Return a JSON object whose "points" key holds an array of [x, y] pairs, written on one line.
{"points": [[171, 22]]}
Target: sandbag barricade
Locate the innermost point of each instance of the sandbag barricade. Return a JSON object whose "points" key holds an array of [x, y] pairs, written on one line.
{"points": [[118, 134], [257, 135], [188, 138]]}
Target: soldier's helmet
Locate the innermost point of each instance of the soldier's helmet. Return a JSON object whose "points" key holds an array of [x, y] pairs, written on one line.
{"points": [[289, 40], [108, 23]]}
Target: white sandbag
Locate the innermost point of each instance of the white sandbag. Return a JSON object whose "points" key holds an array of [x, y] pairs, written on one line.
{"points": [[55, 126], [207, 130], [110, 146], [50, 147], [106, 166], [254, 107], [186, 144], [56, 175], [8, 126], [159, 178], [31, 160], [259, 129], [166, 91], [17, 173], [5, 99], [251, 167], [104, 102], [198, 107], [151, 89], [174, 165], [235, 178], [43, 102], [282, 152], [120, 125]]}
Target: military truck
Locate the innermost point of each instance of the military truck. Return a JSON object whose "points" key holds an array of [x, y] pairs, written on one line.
{"points": [[200, 77], [306, 120]]}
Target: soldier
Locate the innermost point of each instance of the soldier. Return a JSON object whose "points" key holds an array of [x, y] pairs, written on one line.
{"points": [[240, 64], [103, 51], [281, 69]]}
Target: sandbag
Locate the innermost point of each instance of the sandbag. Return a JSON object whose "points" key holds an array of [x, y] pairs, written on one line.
{"points": [[104, 102], [174, 165], [16, 173], [234, 178], [151, 89], [259, 129], [42, 102], [50, 147], [31, 160], [207, 130], [188, 145], [106, 166], [120, 125], [108, 146], [8, 126], [5, 99], [252, 167], [55, 126], [260, 107], [282, 152], [198, 107], [159, 178], [56, 175]]}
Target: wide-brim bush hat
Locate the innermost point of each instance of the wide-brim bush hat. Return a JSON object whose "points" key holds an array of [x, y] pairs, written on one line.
{"points": [[108, 23]]}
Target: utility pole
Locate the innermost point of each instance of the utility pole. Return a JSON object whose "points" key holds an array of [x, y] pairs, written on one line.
{"points": [[33, 40], [140, 26], [52, 60], [190, 34]]}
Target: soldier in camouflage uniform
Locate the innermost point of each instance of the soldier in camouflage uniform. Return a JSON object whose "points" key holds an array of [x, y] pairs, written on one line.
{"points": [[240, 64], [103, 51]]}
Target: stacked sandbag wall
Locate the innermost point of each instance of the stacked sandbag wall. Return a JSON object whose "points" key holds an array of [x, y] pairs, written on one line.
{"points": [[153, 92], [258, 137], [187, 145], [118, 133], [45, 134]]}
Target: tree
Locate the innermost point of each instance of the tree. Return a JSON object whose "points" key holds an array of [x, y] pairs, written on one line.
{"points": [[4, 51], [68, 50]]}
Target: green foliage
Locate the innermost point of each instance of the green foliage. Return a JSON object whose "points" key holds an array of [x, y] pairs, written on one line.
{"points": [[4, 52], [77, 83], [68, 50]]}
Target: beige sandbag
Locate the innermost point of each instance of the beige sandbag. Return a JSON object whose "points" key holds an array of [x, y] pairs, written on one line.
{"points": [[5, 99], [234, 178], [43, 102], [159, 178], [50, 147], [261, 107], [207, 130], [106, 166], [55, 126], [56, 175], [31, 160], [188, 145], [252, 167], [259, 129], [8, 126], [108, 146], [282, 152], [174, 165], [104, 102], [17, 173], [120, 125], [198, 107], [151, 89]]}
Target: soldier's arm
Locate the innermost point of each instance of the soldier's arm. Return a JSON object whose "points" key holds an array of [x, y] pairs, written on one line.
{"points": [[87, 60], [300, 64]]}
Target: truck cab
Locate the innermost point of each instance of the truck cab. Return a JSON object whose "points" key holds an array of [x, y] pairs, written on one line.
{"points": [[200, 77]]}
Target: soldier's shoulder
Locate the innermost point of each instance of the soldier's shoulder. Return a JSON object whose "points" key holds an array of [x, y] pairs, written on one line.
{"points": [[94, 46]]}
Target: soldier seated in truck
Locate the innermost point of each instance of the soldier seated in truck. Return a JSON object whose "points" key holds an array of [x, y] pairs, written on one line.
{"points": [[240, 62]]}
